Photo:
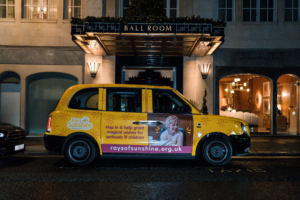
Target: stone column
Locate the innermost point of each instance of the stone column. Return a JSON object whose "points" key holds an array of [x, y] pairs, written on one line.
{"points": [[60, 13], [23, 102], [18, 12]]}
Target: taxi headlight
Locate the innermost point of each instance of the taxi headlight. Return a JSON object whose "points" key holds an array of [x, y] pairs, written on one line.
{"points": [[1, 135], [244, 128]]}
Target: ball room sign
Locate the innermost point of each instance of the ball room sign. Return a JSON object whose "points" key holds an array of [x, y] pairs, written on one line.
{"points": [[148, 28], [104, 27]]}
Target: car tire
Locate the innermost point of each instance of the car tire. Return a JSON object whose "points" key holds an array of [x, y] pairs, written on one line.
{"points": [[216, 151], [80, 151]]}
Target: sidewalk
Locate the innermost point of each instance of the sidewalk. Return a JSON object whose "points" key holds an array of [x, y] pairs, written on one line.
{"points": [[260, 146]]}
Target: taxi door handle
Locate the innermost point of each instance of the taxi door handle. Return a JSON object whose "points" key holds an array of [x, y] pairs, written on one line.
{"points": [[148, 122], [198, 124], [151, 122]]}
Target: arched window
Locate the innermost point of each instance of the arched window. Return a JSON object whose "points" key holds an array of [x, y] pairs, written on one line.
{"points": [[248, 97]]}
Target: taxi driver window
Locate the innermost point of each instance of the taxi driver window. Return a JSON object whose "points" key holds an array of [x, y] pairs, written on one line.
{"points": [[168, 102], [123, 100], [85, 99]]}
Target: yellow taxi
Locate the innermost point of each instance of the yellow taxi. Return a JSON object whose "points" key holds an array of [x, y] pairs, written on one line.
{"points": [[140, 121]]}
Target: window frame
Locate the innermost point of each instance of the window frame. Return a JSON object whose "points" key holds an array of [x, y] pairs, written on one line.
{"points": [[258, 11], [25, 7], [122, 8], [292, 9], [168, 8], [226, 10], [6, 10], [66, 8]]}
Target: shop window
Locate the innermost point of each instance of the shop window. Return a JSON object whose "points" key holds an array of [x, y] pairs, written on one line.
{"points": [[259, 10], [124, 100], [7, 8], [72, 8], [39, 9], [247, 97], [292, 8], [226, 10], [288, 105]]}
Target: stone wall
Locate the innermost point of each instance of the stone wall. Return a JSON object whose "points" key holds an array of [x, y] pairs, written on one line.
{"points": [[193, 83], [41, 55]]}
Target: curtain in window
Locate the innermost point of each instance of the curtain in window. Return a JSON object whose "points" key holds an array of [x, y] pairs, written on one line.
{"points": [[39, 9], [7, 8]]}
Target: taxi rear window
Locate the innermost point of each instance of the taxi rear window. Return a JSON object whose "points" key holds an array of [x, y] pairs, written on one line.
{"points": [[85, 99]]}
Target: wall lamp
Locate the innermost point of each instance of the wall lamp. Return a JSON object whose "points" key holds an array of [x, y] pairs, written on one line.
{"points": [[204, 69], [93, 67]]}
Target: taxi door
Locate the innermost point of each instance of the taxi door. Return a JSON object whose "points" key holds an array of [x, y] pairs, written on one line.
{"points": [[170, 124], [124, 126]]}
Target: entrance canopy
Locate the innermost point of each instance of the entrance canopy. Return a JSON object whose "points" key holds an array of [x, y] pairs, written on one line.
{"points": [[142, 39]]}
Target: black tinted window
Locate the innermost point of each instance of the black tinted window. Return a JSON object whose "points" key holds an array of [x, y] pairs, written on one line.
{"points": [[85, 99], [124, 100]]}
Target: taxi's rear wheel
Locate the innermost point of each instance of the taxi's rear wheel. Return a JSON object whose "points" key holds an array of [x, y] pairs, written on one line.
{"points": [[216, 151], [80, 151]]}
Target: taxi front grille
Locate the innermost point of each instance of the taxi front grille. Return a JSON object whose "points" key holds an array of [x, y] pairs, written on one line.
{"points": [[17, 137]]}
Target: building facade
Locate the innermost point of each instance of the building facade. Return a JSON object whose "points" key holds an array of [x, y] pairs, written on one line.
{"points": [[254, 74]]}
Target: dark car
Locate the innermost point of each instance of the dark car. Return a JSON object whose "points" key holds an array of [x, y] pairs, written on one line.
{"points": [[12, 139]]}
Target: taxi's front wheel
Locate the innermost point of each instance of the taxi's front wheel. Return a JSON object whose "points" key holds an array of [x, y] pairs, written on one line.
{"points": [[80, 151], [216, 151]]}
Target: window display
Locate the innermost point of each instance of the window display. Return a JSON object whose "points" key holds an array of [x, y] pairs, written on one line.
{"points": [[247, 97]]}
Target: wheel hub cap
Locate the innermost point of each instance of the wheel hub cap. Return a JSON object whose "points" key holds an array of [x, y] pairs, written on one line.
{"points": [[78, 151], [217, 152]]}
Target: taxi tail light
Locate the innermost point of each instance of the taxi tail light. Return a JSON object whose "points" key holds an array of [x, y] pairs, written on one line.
{"points": [[49, 125]]}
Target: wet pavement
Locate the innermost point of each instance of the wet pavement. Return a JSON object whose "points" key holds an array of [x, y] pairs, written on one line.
{"points": [[51, 177], [260, 146]]}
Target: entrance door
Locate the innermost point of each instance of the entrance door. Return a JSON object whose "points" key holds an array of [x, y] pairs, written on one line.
{"points": [[170, 124], [124, 127]]}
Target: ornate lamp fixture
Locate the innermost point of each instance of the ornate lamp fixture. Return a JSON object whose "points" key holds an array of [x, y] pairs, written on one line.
{"points": [[93, 67], [204, 69], [237, 86]]}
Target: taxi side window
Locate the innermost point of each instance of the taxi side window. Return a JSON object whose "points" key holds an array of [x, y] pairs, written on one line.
{"points": [[124, 100], [166, 101], [85, 99]]}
